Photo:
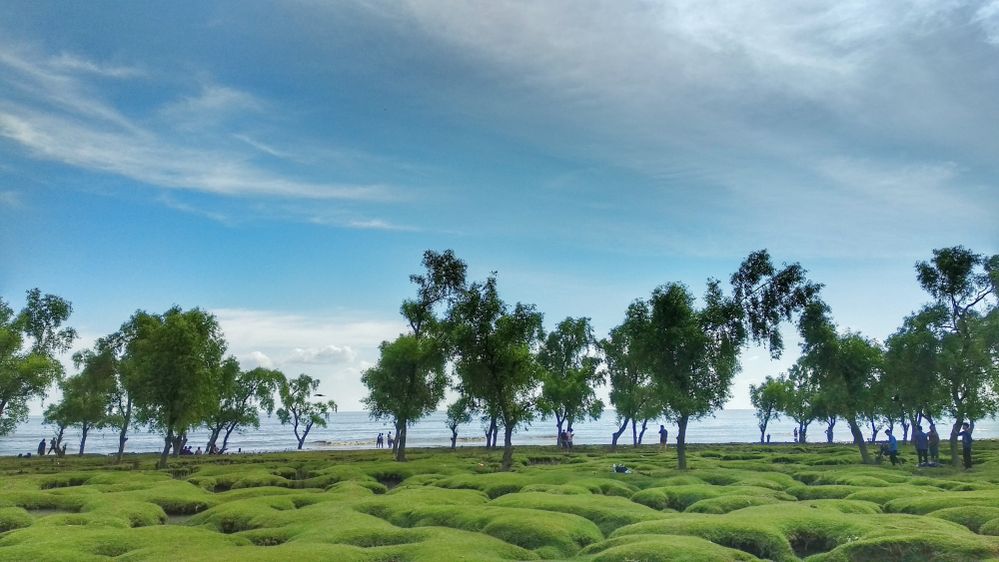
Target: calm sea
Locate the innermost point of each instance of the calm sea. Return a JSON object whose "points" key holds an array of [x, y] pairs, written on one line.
{"points": [[356, 430]]}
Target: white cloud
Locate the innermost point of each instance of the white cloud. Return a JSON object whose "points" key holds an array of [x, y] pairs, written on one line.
{"points": [[987, 16], [256, 359], [73, 63], [328, 355]]}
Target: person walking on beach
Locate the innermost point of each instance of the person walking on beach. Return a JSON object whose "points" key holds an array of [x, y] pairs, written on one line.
{"points": [[568, 438], [391, 442], [892, 447], [965, 435], [934, 442], [922, 446], [41, 447], [796, 435], [663, 438], [380, 441]]}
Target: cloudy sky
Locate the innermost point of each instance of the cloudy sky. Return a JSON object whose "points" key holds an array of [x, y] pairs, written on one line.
{"points": [[285, 165]]}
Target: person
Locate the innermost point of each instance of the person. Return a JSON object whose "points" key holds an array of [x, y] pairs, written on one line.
{"points": [[663, 437], [892, 448], [568, 438], [41, 447], [380, 441], [922, 446], [965, 435], [796, 435], [768, 439], [934, 443], [562, 439], [391, 442], [53, 446], [198, 452]]}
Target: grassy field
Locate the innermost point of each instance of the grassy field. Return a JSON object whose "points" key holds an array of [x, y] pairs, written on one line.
{"points": [[737, 502]]}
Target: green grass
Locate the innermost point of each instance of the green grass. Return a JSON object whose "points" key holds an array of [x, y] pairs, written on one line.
{"points": [[738, 502]]}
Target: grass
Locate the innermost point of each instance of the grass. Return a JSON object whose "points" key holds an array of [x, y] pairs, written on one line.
{"points": [[738, 502]]}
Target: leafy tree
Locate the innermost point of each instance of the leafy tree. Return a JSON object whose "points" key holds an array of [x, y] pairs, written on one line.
{"points": [[631, 391], [769, 399], [410, 379], [172, 360], [845, 366], [55, 414], [29, 343], [299, 410], [496, 360], [912, 371], [570, 377], [692, 353], [87, 396], [801, 395], [458, 413], [962, 316], [241, 394]]}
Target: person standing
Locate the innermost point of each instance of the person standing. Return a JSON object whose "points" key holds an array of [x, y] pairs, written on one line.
{"points": [[796, 435], [934, 442], [41, 448], [965, 435], [892, 448], [663, 437], [922, 446]]}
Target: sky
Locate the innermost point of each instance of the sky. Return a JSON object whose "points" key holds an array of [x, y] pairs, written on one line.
{"points": [[285, 165]]}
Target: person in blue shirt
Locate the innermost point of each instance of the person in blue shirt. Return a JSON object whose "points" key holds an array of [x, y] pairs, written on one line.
{"points": [[922, 446], [892, 448], [965, 435]]}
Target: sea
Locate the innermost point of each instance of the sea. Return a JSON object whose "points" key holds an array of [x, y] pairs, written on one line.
{"points": [[357, 430]]}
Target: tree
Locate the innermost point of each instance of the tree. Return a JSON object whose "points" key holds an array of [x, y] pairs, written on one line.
{"points": [[410, 379], [173, 359], [631, 391], [29, 343], [962, 316], [242, 394], [298, 409], [912, 371], [87, 396], [55, 414], [801, 395], [692, 353], [570, 377], [458, 413], [845, 366], [496, 360], [769, 398]]}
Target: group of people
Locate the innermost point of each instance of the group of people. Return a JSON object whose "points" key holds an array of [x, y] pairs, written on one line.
{"points": [[565, 438], [380, 441], [928, 445], [53, 448]]}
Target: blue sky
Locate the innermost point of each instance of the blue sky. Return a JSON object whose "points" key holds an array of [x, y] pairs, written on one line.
{"points": [[285, 165]]}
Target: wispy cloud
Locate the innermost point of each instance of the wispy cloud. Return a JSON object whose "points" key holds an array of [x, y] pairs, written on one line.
{"points": [[10, 199]]}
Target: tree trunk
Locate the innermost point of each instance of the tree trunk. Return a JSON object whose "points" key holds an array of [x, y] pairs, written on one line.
{"points": [[641, 434], [212, 438], [830, 424], [123, 433], [225, 439], [559, 420], [400, 441], [301, 440], [507, 447], [167, 443], [681, 442], [858, 439], [955, 455], [491, 433], [454, 437], [85, 429], [802, 432], [874, 431], [617, 434], [178, 444], [634, 433]]}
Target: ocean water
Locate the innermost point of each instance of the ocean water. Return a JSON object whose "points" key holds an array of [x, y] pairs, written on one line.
{"points": [[356, 430]]}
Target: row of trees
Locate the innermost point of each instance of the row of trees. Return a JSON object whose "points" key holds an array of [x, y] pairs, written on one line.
{"points": [[671, 357], [943, 361], [168, 372]]}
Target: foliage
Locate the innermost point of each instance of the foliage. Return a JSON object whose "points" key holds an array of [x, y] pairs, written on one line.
{"points": [[770, 398], [241, 396], [459, 412], [631, 391], [496, 360], [298, 409], [29, 342], [570, 376]]}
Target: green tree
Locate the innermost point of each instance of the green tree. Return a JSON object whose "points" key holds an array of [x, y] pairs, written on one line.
{"points": [[409, 380], [962, 316], [241, 395], [845, 367], [459, 412], [769, 398], [912, 371], [801, 395], [173, 359], [692, 353], [87, 396], [496, 360], [55, 415], [29, 343], [298, 409], [570, 374], [631, 392]]}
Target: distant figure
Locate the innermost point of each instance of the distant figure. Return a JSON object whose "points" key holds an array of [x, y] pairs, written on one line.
{"points": [[768, 439], [796, 435], [41, 447], [922, 446], [568, 438], [380, 441], [198, 452], [391, 442], [563, 439], [53, 446], [663, 437], [934, 442], [965, 435], [892, 447]]}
